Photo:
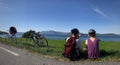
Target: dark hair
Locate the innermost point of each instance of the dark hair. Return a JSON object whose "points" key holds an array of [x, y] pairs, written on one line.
{"points": [[12, 30], [92, 33], [75, 31]]}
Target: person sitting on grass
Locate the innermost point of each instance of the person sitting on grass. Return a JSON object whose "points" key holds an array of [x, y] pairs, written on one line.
{"points": [[72, 47], [92, 45]]}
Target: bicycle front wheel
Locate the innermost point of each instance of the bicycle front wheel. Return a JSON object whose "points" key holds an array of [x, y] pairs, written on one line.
{"points": [[7, 38], [10, 38], [42, 42]]}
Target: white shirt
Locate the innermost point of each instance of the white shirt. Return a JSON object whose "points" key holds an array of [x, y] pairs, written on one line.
{"points": [[78, 43]]}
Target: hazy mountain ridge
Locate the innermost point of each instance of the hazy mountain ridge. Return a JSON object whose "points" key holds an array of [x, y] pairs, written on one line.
{"points": [[51, 32], [68, 33], [2, 32], [54, 32]]}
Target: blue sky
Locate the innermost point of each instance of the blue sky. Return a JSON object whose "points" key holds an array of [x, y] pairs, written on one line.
{"points": [[61, 15]]}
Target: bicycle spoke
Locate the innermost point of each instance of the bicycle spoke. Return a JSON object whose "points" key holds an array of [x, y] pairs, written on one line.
{"points": [[42, 42]]}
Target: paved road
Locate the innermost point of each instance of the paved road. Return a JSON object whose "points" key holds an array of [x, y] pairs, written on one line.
{"points": [[13, 56]]}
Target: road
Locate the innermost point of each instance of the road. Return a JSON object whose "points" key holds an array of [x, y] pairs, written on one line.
{"points": [[10, 55]]}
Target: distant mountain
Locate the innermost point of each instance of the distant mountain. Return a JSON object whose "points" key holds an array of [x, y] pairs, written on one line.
{"points": [[20, 33], [51, 32], [2, 32], [110, 34]]}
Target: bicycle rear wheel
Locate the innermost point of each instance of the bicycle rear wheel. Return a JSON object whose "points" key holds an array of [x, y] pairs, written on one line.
{"points": [[42, 42], [7, 38], [10, 39]]}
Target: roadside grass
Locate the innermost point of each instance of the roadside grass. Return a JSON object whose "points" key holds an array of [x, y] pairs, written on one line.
{"points": [[109, 51]]}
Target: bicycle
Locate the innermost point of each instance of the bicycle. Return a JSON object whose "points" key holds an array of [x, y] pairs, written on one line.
{"points": [[11, 34], [39, 39], [10, 38]]}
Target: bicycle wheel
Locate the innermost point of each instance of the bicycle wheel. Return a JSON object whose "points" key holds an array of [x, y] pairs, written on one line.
{"points": [[29, 40], [14, 39], [7, 38], [42, 42]]}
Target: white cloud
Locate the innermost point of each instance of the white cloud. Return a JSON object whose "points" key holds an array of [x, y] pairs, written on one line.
{"points": [[97, 10]]}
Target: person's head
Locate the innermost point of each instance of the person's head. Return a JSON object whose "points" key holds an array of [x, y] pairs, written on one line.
{"points": [[75, 32], [92, 33], [12, 30]]}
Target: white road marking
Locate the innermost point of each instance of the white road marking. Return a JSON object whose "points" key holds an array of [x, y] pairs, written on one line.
{"points": [[9, 51]]}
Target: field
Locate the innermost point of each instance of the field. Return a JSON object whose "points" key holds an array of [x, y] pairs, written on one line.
{"points": [[110, 51]]}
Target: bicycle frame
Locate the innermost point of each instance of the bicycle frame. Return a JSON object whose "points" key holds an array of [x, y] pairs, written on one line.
{"points": [[38, 39]]}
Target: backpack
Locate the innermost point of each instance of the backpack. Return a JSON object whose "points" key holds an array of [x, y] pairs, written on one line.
{"points": [[70, 51]]}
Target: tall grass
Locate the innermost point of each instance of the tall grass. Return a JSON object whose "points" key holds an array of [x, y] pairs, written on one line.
{"points": [[110, 51]]}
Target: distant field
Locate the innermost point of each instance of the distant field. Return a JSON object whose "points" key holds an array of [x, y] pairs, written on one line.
{"points": [[110, 51]]}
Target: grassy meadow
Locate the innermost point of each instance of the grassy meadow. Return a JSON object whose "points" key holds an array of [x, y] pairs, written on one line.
{"points": [[110, 51]]}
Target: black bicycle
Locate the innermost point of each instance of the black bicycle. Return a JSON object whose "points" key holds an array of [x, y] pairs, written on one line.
{"points": [[39, 39]]}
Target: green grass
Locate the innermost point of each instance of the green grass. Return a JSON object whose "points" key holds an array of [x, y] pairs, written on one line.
{"points": [[110, 51]]}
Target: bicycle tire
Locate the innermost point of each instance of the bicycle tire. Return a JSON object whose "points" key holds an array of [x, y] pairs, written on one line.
{"points": [[14, 39], [42, 42], [29, 40], [9, 38]]}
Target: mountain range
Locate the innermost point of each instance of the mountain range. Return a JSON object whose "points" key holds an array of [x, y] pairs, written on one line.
{"points": [[51, 32]]}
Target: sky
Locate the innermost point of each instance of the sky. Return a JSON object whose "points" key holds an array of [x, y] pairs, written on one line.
{"points": [[61, 15]]}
